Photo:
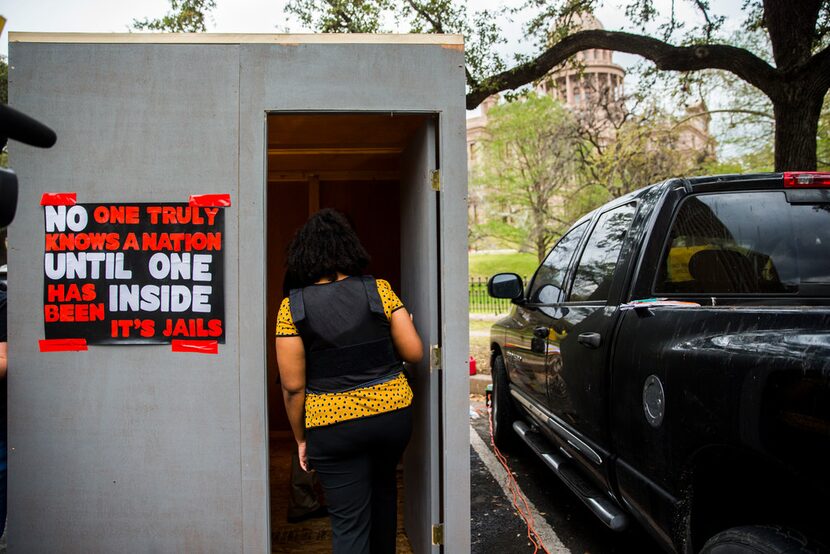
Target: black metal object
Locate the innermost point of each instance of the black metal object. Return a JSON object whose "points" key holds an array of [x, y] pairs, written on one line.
{"points": [[18, 126], [733, 425], [482, 302]]}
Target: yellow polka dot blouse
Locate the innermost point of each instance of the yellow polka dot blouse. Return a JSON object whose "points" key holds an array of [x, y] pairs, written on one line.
{"points": [[328, 408]]}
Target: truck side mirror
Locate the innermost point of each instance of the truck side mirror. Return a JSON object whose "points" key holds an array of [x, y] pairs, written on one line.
{"points": [[505, 285]]}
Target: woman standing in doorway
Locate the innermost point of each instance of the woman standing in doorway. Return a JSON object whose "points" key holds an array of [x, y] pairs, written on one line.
{"points": [[341, 339]]}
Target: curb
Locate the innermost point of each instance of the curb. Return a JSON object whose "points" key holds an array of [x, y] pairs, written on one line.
{"points": [[478, 383]]}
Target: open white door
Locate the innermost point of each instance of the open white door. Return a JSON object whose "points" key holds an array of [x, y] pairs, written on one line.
{"points": [[420, 279]]}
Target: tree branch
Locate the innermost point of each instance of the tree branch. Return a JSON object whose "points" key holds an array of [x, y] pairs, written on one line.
{"points": [[439, 28], [735, 110], [818, 68], [704, 9], [667, 57], [791, 27], [471, 82], [341, 14]]}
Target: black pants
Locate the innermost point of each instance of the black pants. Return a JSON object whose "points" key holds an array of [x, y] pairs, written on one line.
{"points": [[356, 462]]}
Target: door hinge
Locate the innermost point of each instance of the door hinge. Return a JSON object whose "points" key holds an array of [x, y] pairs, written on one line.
{"points": [[436, 179], [434, 357], [438, 533]]}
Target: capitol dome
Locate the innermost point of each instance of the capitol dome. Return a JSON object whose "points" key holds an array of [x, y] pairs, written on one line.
{"points": [[594, 75], [587, 22]]}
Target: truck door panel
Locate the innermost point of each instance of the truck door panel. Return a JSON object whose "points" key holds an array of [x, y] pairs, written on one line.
{"points": [[578, 384], [746, 369], [524, 356], [527, 348]]}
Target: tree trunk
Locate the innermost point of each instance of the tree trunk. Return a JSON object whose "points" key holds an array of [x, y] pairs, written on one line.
{"points": [[541, 247], [796, 125]]}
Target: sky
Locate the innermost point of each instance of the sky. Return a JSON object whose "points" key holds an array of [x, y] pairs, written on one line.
{"points": [[253, 16], [115, 16], [266, 16]]}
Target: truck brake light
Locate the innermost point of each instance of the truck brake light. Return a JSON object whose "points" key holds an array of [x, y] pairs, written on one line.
{"points": [[806, 179]]}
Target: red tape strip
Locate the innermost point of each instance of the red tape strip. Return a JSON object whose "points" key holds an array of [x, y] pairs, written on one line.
{"points": [[198, 346], [58, 199], [210, 200], [62, 345]]}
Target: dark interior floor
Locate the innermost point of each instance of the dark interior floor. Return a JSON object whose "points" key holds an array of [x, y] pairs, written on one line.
{"points": [[312, 536]]}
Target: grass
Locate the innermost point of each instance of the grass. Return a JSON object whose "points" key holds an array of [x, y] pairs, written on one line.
{"points": [[482, 324], [486, 265]]}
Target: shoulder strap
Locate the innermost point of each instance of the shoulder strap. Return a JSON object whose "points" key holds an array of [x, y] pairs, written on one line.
{"points": [[371, 287], [295, 302]]}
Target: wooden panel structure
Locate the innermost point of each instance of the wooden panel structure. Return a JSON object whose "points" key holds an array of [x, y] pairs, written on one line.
{"points": [[349, 162], [118, 429], [289, 39], [338, 147]]}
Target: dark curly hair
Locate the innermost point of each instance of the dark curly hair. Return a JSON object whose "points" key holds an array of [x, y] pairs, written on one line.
{"points": [[321, 248]]}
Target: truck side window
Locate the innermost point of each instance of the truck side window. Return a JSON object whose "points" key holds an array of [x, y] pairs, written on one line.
{"points": [[592, 280], [548, 282], [747, 242]]}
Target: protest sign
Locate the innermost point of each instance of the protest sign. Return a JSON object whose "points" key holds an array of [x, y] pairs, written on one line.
{"points": [[138, 273]]}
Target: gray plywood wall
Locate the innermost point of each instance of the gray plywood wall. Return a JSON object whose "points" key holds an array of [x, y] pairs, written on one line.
{"points": [[140, 449]]}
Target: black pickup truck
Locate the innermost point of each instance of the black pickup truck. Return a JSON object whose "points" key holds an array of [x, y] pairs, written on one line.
{"points": [[670, 362]]}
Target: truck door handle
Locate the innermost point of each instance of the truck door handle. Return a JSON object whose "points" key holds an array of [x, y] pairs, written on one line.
{"points": [[541, 332], [589, 340]]}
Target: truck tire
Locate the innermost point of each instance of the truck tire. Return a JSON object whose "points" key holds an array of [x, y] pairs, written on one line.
{"points": [[502, 406], [759, 539]]}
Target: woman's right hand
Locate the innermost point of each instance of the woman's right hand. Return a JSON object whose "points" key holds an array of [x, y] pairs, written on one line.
{"points": [[301, 452]]}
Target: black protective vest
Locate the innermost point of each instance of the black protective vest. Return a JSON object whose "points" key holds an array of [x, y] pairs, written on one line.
{"points": [[345, 333]]}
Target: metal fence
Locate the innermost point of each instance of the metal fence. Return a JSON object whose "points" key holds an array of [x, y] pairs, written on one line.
{"points": [[483, 303]]}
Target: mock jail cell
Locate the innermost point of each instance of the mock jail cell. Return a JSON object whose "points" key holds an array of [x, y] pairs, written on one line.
{"points": [[137, 445]]}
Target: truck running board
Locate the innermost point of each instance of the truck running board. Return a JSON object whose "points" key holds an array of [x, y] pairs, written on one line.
{"points": [[603, 507]]}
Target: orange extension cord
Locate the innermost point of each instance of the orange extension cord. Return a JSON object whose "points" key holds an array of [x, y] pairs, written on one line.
{"points": [[513, 486]]}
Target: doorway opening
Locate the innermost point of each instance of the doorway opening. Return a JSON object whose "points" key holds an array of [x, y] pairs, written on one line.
{"points": [[375, 168]]}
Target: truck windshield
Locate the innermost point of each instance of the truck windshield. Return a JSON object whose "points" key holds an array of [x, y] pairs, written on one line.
{"points": [[747, 243]]}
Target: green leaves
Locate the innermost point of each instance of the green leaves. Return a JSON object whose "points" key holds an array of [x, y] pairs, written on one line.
{"points": [[823, 150], [4, 80], [526, 170], [187, 16], [481, 29], [341, 16]]}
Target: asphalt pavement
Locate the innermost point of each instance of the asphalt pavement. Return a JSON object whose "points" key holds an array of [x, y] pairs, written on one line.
{"points": [[561, 520]]}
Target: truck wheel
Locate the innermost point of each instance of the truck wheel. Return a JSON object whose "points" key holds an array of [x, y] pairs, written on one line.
{"points": [[502, 407], [759, 539]]}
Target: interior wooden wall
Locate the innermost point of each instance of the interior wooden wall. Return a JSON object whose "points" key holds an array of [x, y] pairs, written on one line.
{"points": [[372, 209], [349, 162], [287, 211]]}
